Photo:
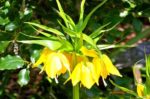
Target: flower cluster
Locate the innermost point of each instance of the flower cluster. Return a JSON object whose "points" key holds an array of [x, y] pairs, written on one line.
{"points": [[89, 71], [89, 66]]}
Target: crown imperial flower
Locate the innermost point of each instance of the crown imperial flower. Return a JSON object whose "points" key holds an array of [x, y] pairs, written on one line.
{"points": [[55, 63]]}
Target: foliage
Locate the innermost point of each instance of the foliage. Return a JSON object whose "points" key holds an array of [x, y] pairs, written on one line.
{"points": [[36, 22]]}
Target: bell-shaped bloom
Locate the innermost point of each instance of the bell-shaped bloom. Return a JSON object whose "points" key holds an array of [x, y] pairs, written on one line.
{"points": [[84, 72], [104, 66], [55, 63], [140, 90]]}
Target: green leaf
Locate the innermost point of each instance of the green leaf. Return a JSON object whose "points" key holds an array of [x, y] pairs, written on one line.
{"points": [[3, 21], [11, 62], [68, 31], [71, 22], [147, 59], [66, 46], [147, 84], [98, 31], [71, 33], [110, 46], [3, 46], [23, 77], [89, 15], [41, 32], [62, 13], [35, 54], [89, 40], [52, 30], [10, 27], [53, 45], [82, 10], [124, 89]]}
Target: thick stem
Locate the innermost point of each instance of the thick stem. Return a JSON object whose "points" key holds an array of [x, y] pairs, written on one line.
{"points": [[76, 91]]}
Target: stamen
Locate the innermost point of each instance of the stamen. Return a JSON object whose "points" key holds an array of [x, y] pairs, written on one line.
{"points": [[105, 84]]}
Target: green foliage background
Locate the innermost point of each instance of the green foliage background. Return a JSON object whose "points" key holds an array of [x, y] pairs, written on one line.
{"points": [[129, 16]]}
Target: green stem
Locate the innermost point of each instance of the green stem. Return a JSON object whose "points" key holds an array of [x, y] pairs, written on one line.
{"points": [[76, 91]]}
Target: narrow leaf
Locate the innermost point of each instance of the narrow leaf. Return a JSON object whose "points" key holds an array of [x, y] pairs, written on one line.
{"points": [[62, 13], [52, 30], [68, 31], [124, 89], [82, 10], [98, 31], [90, 14], [53, 45], [110, 46]]}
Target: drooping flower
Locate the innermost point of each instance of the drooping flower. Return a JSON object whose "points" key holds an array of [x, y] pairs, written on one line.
{"points": [[91, 68], [140, 90], [102, 63], [84, 72], [105, 67], [55, 63]]}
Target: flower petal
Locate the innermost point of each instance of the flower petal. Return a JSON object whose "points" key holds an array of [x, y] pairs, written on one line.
{"points": [[42, 58], [110, 67], [53, 65], [93, 71], [86, 77], [64, 61], [87, 52], [76, 74], [100, 67]]}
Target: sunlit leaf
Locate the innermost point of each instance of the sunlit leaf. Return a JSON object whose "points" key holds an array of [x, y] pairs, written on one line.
{"points": [[110, 46], [53, 45], [62, 13], [23, 77], [82, 10], [11, 62], [66, 46], [4, 21], [52, 30], [90, 14]]}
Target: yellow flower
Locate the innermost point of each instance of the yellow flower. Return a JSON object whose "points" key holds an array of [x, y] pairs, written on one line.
{"points": [[101, 69], [43, 57], [140, 90], [84, 72], [55, 63], [88, 73], [105, 67]]}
